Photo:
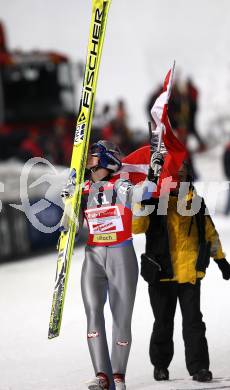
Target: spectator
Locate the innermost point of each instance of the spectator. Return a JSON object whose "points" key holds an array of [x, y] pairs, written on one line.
{"points": [[193, 95], [3, 47], [30, 147], [226, 162], [117, 131], [178, 248], [58, 146]]}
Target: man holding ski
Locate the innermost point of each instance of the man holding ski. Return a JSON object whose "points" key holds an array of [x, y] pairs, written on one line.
{"points": [[110, 266]]}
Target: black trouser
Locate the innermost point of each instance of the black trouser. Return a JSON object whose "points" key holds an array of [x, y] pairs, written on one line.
{"points": [[227, 208], [163, 298]]}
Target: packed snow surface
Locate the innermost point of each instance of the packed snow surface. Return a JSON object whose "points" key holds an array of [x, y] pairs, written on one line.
{"points": [[28, 360]]}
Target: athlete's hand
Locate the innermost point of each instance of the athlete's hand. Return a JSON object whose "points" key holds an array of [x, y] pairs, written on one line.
{"points": [[224, 266], [155, 167], [149, 269]]}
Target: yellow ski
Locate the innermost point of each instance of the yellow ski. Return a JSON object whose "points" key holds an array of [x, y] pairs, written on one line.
{"points": [[72, 193]]}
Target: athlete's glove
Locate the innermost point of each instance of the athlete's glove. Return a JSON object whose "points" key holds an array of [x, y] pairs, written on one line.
{"points": [[155, 166], [224, 267], [149, 269]]}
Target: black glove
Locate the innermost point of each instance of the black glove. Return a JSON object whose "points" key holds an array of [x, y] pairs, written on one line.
{"points": [[224, 267], [149, 269], [155, 166]]}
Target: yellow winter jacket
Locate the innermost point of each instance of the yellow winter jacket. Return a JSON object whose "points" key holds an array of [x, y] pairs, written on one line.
{"points": [[183, 246]]}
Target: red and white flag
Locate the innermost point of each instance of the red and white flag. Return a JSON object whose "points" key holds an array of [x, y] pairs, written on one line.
{"points": [[176, 150], [160, 105], [137, 163]]}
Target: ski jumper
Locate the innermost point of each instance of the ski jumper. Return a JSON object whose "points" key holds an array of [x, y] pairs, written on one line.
{"points": [[110, 267]]}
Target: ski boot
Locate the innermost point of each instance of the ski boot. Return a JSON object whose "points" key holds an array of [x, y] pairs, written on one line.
{"points": [[203, 375], [119, 380], [101, 382], [161, 374]]}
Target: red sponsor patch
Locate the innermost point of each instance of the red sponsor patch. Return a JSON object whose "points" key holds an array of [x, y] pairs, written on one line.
{"points": [[103, 227], [102, 213]]}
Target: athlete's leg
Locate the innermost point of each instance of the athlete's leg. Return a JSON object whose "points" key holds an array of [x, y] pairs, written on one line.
{"points": [[163, 298], [122, 271], [194, 329], [94, 284]]}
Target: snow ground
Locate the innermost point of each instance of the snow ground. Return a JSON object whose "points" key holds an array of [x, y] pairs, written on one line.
{"points": [[28, 360]]}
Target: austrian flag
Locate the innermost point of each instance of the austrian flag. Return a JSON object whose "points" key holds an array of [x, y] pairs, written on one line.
{"points": [[137, 162]]}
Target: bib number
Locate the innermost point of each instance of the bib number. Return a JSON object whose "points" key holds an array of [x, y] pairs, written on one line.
{"points": [[104, 220]]}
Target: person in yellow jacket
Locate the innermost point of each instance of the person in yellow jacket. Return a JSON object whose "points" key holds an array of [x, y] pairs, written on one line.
{"points": [[178, 250]]}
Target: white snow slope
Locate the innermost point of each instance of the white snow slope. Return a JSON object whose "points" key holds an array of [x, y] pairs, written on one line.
{"points": [[28, 360]]}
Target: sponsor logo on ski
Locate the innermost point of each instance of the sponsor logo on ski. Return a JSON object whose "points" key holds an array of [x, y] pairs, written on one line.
{"points": [[105, 237], [81, 118], [60, 255], [79, 134], [91, 65]]}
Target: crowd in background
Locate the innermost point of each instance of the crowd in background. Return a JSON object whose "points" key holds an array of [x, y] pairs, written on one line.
{"points": [[183, 107], [112, 122], [56, 143]]}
